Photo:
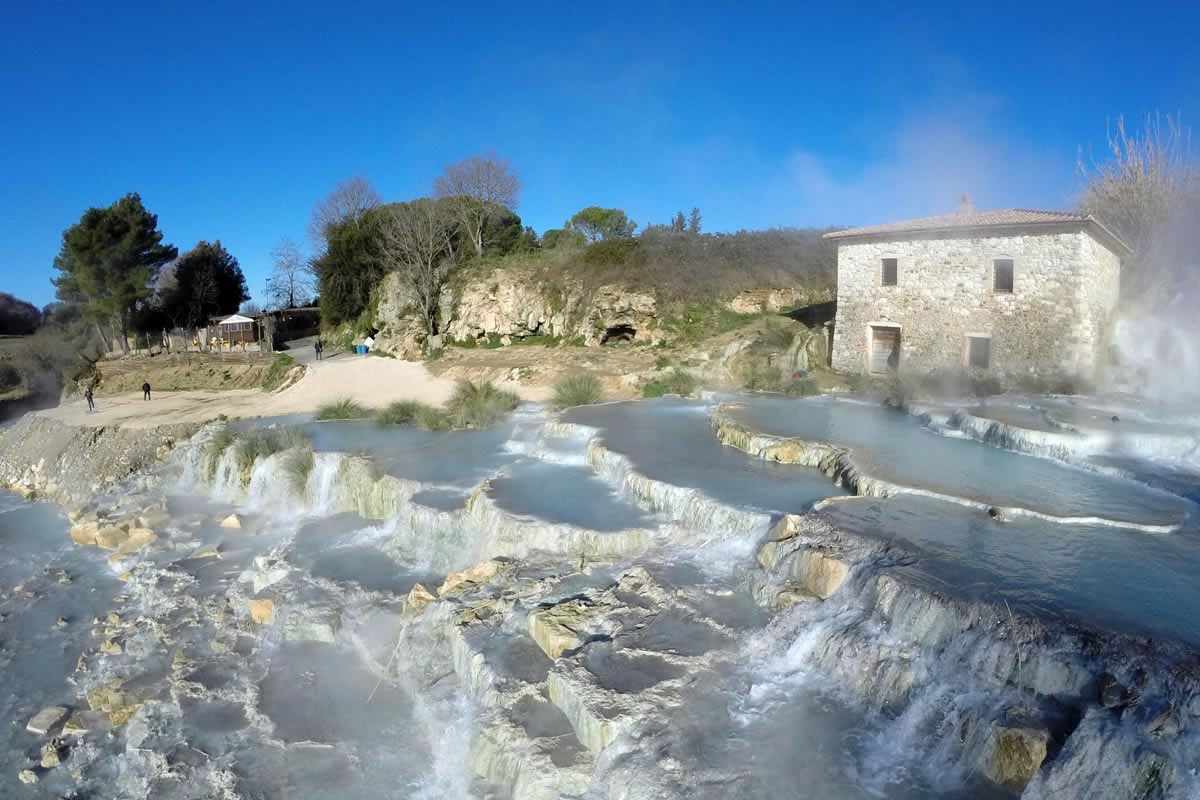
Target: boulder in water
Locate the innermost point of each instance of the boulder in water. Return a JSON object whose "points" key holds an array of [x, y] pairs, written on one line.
{"points": [[46, 720], [232, 521], [466, 579], [262, 611], [1017, 755], [418, 598]]}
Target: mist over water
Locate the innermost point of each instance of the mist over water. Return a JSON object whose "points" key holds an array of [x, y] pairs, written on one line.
{"points": [[1157, 352]]}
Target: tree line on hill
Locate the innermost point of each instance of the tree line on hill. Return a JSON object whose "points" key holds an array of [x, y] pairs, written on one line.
{"points": [[117, 277], [470, 217]]}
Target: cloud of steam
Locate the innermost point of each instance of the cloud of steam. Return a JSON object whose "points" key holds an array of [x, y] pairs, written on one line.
{"points": [[1156, 338], [927, 163], [912, 166]]}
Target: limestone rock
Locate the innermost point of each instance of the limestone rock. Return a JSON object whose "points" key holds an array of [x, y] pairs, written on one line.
{"points": [[206, 551], [466, 579], [268, 575], [84, 533], [27, 776], [418, 598], [119, 705], [233, 521], [564, 626], [46, 720], [51, 754], [262, 611], [1017, 755], [311, 625], [819, 572], [111, 538], [83, 722]]}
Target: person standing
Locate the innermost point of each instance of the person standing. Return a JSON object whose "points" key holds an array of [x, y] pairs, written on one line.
{"points": [[146, 390], [318, 348], [87, 395]]}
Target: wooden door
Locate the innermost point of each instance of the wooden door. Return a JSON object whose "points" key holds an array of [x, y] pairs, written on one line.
{"points": [[885, 349]]}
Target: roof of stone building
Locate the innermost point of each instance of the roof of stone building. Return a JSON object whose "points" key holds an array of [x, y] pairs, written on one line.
{"points": [[1004, 218]]}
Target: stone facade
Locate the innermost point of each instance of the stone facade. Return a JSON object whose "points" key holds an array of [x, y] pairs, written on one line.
{"points": [[1064, 291]]}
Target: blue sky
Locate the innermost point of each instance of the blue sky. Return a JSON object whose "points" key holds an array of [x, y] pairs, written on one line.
{"points": [[233, 119]]}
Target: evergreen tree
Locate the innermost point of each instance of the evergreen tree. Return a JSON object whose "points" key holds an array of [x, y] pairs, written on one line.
{"points": [[108, 260]]}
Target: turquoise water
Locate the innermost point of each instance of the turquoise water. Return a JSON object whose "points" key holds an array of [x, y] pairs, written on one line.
{"points": [[671, 440], [36, 654], [895, 447], [1125, 581]]}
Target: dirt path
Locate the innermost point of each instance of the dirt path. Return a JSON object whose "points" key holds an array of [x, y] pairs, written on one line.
{"points": [[373, 382]]}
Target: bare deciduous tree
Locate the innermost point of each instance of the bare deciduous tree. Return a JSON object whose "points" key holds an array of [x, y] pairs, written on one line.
{"points": [[481, 183], [349, 200], [418, 244], [1149, 181], [291, 283]]}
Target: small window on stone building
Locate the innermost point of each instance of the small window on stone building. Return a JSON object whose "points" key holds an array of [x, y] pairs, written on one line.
{"points": [[1002, 276], [889, 272], [979, 352]]}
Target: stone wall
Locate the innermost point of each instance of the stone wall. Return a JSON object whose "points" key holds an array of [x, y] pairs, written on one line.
{"points": [[1065, 287]]}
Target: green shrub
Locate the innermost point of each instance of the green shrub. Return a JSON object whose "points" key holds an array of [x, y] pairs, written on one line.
{"points": [[341, 409], [662, 362], [401, 412], [900, 388], [297, 464], [291, 436], [213, 450], [414, 412], [803, 387], [576, 390], [700, 320], [543, 339], [278, 371], [479, 405], [763, 378], [432, 419], [610, 251], [252, 445], [675, 382], [776, 336]]}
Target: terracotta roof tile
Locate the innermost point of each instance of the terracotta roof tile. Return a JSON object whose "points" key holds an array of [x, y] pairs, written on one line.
{"points": [[980, 219]]}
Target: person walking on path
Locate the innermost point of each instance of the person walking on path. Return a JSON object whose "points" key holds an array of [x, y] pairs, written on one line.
{"points": [[87, 395], [146, 390], [319, 348]]}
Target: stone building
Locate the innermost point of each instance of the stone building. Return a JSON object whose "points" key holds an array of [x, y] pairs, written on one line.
{"points": [[1010, 291]]}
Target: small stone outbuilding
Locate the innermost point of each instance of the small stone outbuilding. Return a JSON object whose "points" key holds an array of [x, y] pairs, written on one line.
{"points": [[1011, 292]]}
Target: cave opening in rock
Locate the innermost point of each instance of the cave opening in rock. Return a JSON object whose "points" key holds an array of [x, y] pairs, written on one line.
{"points": [[618, 333]]}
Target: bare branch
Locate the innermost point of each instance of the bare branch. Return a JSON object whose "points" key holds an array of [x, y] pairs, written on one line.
{"points": [[349, 200], [481, 183], [1148, 181], [291, 282], [418, 244]]}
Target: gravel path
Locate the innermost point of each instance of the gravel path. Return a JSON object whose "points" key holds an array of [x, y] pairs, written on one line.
{"points": [[371, 381]]}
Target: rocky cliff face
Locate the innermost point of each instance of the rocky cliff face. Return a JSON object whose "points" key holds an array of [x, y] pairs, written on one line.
{"points": [[43, 457], [513, 305]]}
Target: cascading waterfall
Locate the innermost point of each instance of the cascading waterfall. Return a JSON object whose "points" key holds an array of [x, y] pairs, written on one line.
{"points": [[614, 603]]}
